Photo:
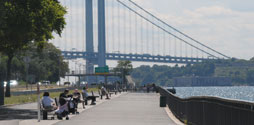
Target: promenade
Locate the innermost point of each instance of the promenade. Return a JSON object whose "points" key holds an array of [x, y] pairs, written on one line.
{"points": [[124, 109], [128, 109]]}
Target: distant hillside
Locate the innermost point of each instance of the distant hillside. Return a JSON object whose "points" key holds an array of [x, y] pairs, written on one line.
{"points": [[241, 75], [240, 71]]}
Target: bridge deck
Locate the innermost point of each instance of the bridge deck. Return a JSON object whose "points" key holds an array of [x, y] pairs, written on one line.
{"points": [[128, 109]]}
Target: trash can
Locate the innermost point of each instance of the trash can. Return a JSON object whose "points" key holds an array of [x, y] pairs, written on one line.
{"points": [[163, 101]]}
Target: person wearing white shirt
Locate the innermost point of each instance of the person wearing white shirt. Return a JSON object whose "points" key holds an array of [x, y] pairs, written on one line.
{"points": [[47, 102]]}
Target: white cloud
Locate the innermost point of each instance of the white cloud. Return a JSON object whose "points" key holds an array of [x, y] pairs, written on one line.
{"points": [[211, 11], [224, 29]]}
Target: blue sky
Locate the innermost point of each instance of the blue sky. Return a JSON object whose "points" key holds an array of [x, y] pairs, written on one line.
{"points": [[225, 25]]}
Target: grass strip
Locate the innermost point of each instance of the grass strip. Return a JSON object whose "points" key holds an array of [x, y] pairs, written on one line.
{"points": [[22, 99]]}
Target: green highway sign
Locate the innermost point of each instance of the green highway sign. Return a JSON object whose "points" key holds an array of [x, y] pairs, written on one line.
{"points": [[99, 70]]}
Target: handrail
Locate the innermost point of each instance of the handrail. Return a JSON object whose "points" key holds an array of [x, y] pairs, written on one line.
{"points": [[207, 110]]}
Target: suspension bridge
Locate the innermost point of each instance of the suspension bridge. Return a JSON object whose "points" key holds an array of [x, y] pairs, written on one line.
{"points": [[102, 30]]}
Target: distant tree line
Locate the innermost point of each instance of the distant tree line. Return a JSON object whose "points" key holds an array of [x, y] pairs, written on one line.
{"points": [[240, 71], [46, 64]]}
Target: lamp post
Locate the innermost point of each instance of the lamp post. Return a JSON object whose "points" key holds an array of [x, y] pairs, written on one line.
{"points": [[79, 68], [27, 60], [59, 71], [59, 67], [75, 70], [69, 70], [84, 69], [1, 90]]}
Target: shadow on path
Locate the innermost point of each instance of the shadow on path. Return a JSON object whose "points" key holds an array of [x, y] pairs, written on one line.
{"points": [[15, 114]]}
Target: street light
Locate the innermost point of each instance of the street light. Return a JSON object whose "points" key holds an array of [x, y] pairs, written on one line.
{"points": [[84, 66], [59, 67], [75, 70], [80, 68], [27, 60]]}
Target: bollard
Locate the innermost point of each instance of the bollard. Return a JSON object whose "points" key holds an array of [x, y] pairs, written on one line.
{"points": [[163, 101]]}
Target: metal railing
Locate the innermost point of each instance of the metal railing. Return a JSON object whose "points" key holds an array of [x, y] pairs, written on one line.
{"points": [[207, 110]]}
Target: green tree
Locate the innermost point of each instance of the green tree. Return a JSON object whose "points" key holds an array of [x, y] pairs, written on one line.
{"points": [[252, 59], [26, 21], [49, 62], [250, 76], [57, 66], [125, 67]]}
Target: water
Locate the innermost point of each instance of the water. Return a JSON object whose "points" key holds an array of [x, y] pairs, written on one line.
{"points": [[244, 93]]}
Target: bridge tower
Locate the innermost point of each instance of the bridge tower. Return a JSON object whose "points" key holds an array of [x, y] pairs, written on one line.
{"points": [[89, 37], [101, 58], [101, 34]]}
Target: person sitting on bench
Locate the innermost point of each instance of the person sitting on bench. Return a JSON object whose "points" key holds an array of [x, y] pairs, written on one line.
{"points": [[63, 110], [47, 102], [104, 92], [76, 98], [87, 97], [64, 94]]}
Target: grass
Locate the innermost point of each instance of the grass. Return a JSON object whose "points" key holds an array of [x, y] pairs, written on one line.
{"points": [[34, 87], [33, 97]]}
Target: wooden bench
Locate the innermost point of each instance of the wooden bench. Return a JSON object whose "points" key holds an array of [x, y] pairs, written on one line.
{"points": [[120, 90], [113, 91], [106, 93], [110, 93], [85, 99]]}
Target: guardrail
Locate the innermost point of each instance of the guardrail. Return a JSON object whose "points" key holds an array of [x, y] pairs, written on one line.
{"points": [[28, 92], [207, 110]]}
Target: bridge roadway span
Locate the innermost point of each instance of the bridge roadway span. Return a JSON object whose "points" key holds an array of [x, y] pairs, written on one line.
{"points": [[128, 109], [133, 57]]}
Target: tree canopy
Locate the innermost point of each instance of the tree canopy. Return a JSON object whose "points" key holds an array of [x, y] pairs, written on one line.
{"points": [[125, 67], [241, 72], [25, 21], [44, 65]]}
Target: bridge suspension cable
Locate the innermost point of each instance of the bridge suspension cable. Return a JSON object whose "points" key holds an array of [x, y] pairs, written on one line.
{"points": [[166, 30], [175, 28], [131, 31]]}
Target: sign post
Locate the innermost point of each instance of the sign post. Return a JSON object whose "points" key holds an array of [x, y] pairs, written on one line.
{"points": [[39, 102]]}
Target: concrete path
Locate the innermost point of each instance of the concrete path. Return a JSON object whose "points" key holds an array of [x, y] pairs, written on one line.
{"points": [[18, 112], [26, 114], [128, 109]]}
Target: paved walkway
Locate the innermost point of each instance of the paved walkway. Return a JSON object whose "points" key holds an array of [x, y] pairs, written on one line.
{"points": [[18, 112], [128, 109]]}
